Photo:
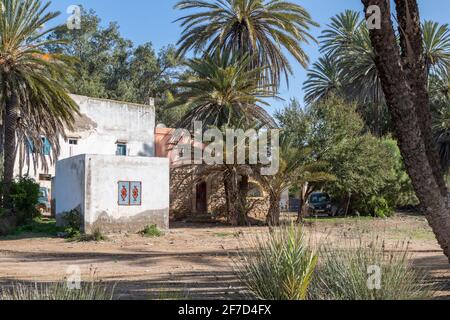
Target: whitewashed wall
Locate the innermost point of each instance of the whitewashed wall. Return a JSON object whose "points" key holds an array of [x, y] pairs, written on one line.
{"points": [[101, 125], [89, 183]]}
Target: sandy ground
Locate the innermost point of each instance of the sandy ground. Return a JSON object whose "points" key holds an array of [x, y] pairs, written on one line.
{"points": [[192, 261]]}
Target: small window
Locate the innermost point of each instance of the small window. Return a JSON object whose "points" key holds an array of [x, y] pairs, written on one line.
{"points": [[46, 147], [121, 149], [73, 142]]}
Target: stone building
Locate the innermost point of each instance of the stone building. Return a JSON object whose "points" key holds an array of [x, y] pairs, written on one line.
{"points": [[194, 194]]}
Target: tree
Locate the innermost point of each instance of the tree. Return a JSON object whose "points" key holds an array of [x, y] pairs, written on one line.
{"points": [[297, 168], [33, 83], [348, 67], [222, 92], [436, 40], [257, 28], [404, 78], [362, 164], [440, 106], [111, 67], [349, 62], [324, 79]]}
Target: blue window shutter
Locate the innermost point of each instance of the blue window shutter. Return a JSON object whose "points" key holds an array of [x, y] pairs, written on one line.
{"points": [[121, 150], [30, 146], [47, 147]]}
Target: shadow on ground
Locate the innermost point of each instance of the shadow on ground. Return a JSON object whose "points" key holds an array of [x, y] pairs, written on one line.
{"points": [[437, 270], [181, 286]]}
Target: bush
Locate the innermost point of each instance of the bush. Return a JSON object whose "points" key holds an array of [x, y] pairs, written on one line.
{"points": [[58, 291], [25, 196], [73, 221], [280, 268], [376, 206], [40, 225], [151, 231], [95, 236], [343, 273]]}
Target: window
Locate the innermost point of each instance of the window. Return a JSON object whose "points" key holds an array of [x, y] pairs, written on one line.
{"points": [[319, 198], [73, 143], [30, 146], [45, 177], [46, 146], [130, 193], [121, 149]]}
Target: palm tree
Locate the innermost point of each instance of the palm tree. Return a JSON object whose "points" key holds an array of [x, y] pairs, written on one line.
{"points": [[258, 28], [34, 99], [297, 168], [348, 69], [437, 48], [405, 88], [223, 92], [341, 32], [347, 41], [439, 89], [324, 78], [350, 62]]}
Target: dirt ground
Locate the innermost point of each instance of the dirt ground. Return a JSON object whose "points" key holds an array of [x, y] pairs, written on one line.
{"points": [[194, 261]]}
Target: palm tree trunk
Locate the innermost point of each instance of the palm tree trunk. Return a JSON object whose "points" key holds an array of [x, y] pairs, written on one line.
{"points": [[273, 217], [415, 67], [9, 154], [2, 140], [300, 217], [303, 207], [243, 193], [408, 112]]}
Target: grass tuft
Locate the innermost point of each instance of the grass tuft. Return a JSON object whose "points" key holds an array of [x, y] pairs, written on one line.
{"points": [[56, 292], [151, 231], [95, 236], [280, 268], [346, 272]]}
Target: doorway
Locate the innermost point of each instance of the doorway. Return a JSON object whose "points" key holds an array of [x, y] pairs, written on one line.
{"points": [[201, 203]]}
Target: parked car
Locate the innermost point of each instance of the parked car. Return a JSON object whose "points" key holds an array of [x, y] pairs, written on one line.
{"points": [[44, 204], [320, 203]]}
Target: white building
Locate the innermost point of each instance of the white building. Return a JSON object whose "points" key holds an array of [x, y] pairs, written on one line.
{"points": [[107, 169], [104, 127]]}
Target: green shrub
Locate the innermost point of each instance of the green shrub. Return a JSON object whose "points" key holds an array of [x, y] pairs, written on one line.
{"points": [[40, 225], [379, 207], [280, 268], [343, 273], [151, 231], [72, 220], [57, 291], [95, 236], [25, 196]]}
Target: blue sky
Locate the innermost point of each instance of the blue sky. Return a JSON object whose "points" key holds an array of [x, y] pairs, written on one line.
{"points": [[152, 21]]}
